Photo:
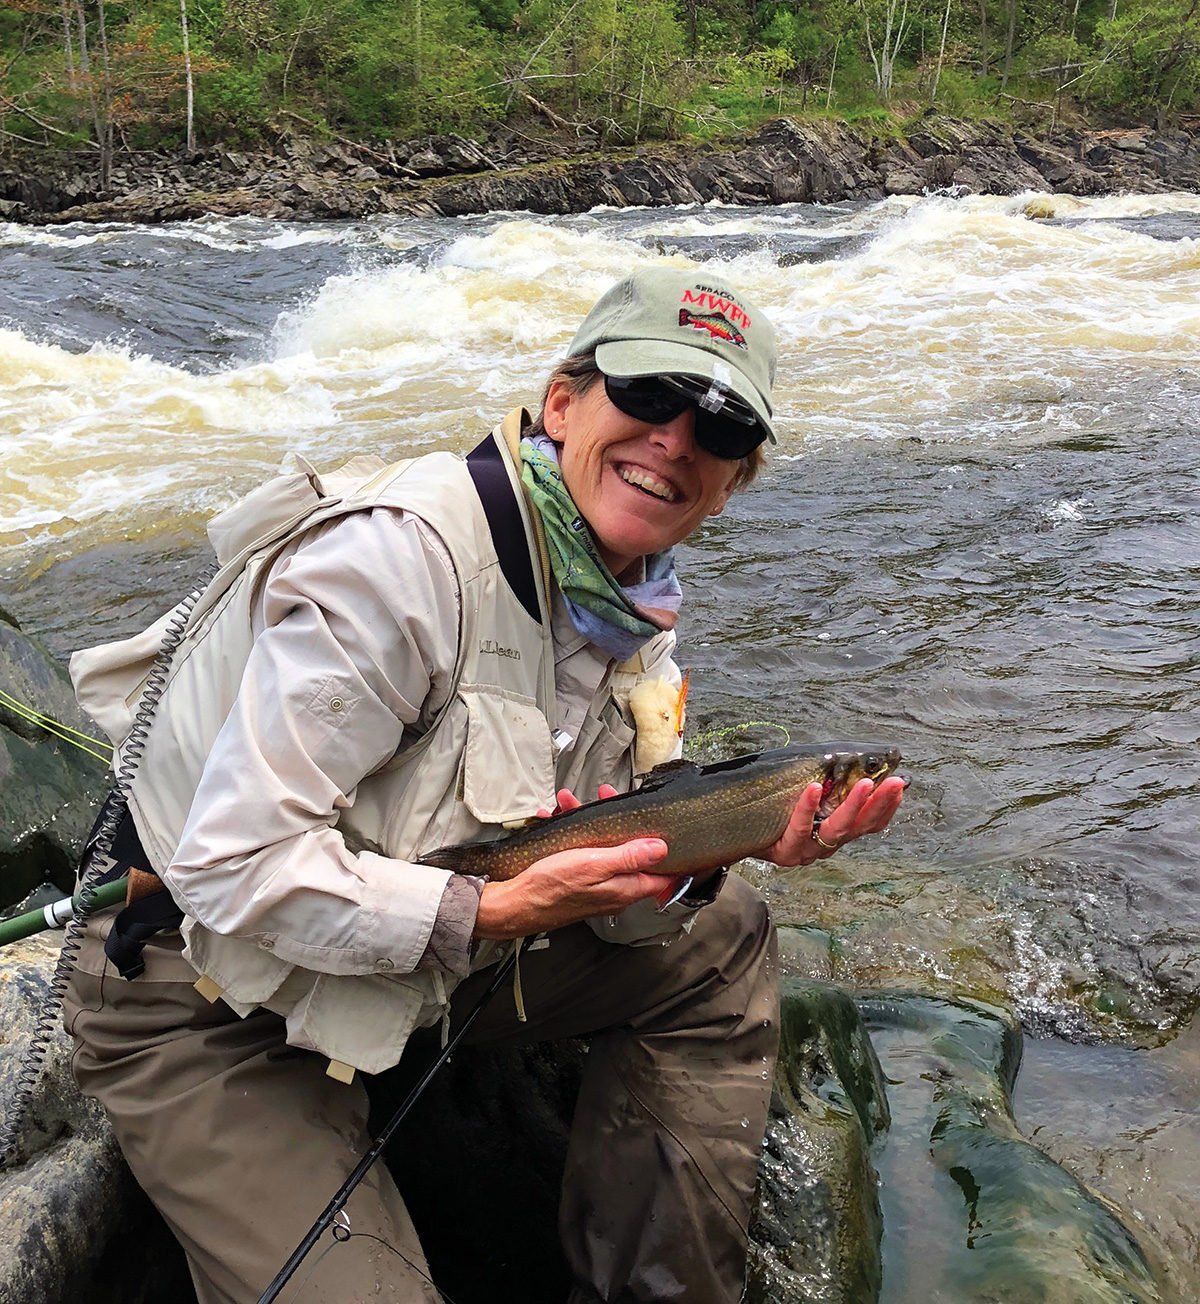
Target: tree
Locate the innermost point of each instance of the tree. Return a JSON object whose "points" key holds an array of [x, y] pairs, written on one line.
{"points": [[885, 25], [187, 66]]}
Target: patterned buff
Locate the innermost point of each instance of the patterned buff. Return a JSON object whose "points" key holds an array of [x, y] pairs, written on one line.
{"points": [[620, 620]]}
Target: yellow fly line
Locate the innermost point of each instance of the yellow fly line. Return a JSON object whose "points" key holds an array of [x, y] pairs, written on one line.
{"points": [[77, 739], [55, 727]]}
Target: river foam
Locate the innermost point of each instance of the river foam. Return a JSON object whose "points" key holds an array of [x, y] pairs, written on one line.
{"points": [[955, 319]]}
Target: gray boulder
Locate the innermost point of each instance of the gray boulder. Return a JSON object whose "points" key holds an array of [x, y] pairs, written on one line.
{"points": [[49, 790], [74, 1226]]}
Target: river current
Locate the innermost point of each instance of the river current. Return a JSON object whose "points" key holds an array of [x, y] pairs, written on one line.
{"points": [[977, 538]]}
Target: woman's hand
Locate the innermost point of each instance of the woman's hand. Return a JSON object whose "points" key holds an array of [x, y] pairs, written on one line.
{"points": [[867, 808], [571, 886]]}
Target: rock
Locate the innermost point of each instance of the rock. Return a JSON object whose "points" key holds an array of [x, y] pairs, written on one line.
{"points": [[903, 182], [74, 1225], [69, 1213], [815, 1236], [784, 162], [49, 790], [1013, 1225]]}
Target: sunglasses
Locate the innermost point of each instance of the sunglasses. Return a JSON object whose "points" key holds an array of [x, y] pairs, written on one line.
{"points": [[726, 425]]}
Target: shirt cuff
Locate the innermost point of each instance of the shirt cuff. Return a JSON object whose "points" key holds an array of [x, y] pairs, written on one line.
{"points": [[449, 945]]}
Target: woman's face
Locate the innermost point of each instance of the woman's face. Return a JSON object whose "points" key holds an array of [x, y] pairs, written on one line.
{"points": [[642, 488]]}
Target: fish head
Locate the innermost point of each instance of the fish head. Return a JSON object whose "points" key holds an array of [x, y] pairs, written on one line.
{"points": [[848, 764]]}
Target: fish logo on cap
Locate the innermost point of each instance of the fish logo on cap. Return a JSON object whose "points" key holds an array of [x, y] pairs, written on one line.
{"points": [[715, 323]]}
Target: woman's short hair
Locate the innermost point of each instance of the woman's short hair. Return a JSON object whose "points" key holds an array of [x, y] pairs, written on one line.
{"points": [[579, 373]]}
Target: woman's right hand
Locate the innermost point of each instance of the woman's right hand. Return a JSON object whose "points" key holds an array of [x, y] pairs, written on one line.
{"points": [[571, 886]]}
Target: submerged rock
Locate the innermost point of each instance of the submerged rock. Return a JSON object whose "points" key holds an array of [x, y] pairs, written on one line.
{"points": [[1014, 1226]]}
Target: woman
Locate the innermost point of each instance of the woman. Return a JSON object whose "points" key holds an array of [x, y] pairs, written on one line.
{"points": [[446, 652]]}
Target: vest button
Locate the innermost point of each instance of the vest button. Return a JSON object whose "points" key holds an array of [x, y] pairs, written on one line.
{"points": [[267, 943], [382, 966], [337, 704]]}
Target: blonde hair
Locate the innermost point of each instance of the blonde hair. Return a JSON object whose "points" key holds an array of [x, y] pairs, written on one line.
{"points": [[579, 372]]}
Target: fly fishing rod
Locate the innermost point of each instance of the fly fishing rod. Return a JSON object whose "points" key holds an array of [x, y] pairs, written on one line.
{"points": [[344, 1192], [58, 914]]}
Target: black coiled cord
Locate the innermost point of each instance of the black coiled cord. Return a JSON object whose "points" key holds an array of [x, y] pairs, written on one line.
{"points": [[95, 858]]}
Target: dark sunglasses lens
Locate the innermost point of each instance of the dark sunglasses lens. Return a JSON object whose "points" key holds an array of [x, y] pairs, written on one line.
{"points": [[645, 398], [724, 438], [649, 399]]}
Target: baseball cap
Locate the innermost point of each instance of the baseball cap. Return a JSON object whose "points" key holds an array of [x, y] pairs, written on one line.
{"points": [[684, 321]]}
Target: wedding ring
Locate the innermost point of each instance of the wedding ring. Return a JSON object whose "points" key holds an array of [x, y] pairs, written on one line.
{"points": [[820, 841]]}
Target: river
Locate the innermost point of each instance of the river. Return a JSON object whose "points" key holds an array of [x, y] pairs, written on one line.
{"points": [[978, 537]]}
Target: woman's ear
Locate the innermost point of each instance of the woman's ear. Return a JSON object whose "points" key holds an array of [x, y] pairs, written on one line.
{"points": [[726, 494], [554, 412]]}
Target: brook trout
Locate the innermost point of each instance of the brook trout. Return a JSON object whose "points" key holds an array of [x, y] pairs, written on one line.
{"points": [[708, 815]]}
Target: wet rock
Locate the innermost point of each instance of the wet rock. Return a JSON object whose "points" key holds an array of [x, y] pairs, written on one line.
{"points": [[68, 1212], [49, 790], [1028, 1232], [74, 1226], [815, 1235], [903, 182], [998, 1220]]}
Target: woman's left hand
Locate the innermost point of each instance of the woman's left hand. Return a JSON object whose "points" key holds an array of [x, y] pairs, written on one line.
{"points": [[867, 808]]}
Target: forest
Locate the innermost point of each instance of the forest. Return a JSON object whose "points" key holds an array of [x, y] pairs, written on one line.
{"points": [[190, 74]]}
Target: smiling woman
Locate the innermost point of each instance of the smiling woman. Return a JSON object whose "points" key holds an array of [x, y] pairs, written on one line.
{"points": [[437, 649]]}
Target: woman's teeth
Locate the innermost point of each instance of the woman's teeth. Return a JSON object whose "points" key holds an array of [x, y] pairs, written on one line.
{"points": [[651, 484]]}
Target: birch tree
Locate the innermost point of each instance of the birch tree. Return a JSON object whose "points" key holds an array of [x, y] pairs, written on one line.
{"points": [[885, 25], [190, 138]]}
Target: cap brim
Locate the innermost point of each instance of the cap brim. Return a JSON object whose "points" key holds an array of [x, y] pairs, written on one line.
{"points": [[630, 358]]}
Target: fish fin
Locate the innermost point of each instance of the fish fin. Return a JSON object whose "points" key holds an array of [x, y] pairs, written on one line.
{"points": [[441, 858], [666, 772], [676, 892]]}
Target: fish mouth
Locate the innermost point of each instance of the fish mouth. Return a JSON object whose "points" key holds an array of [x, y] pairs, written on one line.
{"points": [[847, 769]]}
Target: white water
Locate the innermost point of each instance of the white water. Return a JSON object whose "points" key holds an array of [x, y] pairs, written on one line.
{"points": [[948, 319]]}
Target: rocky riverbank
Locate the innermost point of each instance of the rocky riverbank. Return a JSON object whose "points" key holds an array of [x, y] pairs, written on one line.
{"points": [[785, 161]]}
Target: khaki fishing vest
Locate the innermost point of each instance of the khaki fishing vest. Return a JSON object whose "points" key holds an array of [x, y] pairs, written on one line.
{"points": [[489, 758]]}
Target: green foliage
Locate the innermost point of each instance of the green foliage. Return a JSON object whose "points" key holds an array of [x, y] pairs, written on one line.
{"points": [[233, 102], [617, 70]]}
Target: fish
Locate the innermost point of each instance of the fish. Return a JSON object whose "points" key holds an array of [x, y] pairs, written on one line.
{"points": [[708, 815]]}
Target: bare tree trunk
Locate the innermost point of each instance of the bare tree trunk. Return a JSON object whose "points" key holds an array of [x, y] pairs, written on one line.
{"points": [[1112, 10], [937, 75], [68, 45], [1008, 43], [612, 65], [190, 139], [81, 19], [416, 63], [983, 39], [104, 118], [832, 69], [883, 60]]}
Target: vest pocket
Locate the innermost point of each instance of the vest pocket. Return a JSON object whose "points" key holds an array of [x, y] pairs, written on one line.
{"points": [[508, 765], [601, 754]]}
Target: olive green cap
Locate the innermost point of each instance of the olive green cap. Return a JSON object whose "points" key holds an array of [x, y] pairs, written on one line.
{"points": [[684, 321]]}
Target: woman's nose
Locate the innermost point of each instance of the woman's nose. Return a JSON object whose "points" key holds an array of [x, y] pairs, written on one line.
{"points": [[677, 437]]}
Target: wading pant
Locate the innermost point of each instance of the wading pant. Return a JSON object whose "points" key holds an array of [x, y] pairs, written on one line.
{"points": [[241, 1140]]}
